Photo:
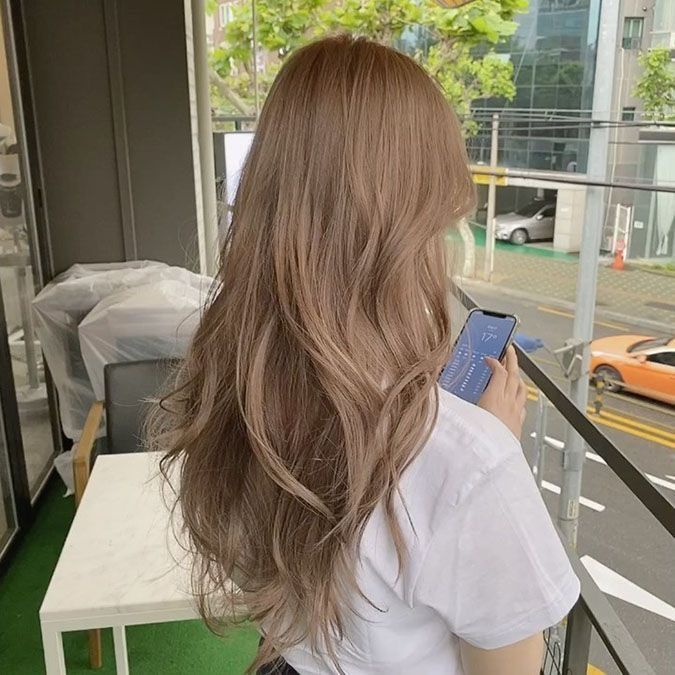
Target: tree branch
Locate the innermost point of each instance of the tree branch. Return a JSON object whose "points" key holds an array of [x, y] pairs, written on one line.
{"points": [[229, 94]]}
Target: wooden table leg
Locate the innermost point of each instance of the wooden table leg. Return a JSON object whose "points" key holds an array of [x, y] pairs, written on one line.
{"points": [[121, 658], [52, 644], [95, 653]]}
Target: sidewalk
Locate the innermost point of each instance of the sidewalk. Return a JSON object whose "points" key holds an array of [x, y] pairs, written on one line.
{"points": [[633, 295]]}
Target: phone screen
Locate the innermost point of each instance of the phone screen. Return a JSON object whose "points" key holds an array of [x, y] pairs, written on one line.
{"points": [[484, 334]]}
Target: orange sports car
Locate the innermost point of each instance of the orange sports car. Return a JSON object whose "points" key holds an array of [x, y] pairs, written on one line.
{"points": [[638, 363]]}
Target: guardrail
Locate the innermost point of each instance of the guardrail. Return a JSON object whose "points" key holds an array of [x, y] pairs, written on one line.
{"points": [[593, 610]]}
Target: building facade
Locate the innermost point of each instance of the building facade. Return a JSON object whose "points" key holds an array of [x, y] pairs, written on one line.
{"points": [[640, 152], [546, 126]]}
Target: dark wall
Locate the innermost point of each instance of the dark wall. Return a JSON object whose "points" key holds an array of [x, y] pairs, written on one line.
{"points": [[71, 95], [154, 65], [110, 89]]}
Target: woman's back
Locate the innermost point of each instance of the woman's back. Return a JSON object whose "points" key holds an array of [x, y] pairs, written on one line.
{"points": [[484, 563], [321, 469]]}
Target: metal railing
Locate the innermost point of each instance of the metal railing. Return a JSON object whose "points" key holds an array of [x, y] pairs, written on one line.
{"points": [[593, 610]]}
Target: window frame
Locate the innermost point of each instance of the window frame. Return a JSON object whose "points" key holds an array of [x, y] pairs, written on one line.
{"points": [[633, 30], [224, 14], [628, 113]]}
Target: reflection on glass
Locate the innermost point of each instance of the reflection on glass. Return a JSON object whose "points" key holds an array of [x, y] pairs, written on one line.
{"points": [[553, 56], [17, 281]]}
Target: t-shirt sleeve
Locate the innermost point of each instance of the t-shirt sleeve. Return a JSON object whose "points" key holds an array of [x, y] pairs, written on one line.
{"points": [[495, 568]]}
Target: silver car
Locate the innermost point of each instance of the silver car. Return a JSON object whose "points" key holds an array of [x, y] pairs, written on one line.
{"points": [[532, 222]]}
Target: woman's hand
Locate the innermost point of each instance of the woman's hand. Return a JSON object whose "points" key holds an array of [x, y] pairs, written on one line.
{"points": [[506, 392]]}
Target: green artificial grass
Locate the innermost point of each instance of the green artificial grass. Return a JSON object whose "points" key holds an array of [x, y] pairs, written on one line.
{"points": [[181, 648]]}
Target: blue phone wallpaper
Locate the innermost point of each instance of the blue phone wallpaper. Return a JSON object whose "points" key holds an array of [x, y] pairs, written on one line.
{"points": [[466, 374]]}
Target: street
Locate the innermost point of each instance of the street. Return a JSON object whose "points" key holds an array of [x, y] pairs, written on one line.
{"points": [[624, 548]]}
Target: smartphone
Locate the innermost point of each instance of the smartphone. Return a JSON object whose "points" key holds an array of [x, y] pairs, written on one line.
{"points": [[485, 333]]}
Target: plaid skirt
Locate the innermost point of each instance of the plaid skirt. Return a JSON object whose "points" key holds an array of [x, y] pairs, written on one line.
{"points": [[279, 667]]}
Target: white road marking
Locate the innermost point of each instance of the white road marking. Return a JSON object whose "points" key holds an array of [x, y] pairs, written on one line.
{"points": [[551, 487], [614, 584], [553, 442], [560, 445], [660, 481], [671, 477]]}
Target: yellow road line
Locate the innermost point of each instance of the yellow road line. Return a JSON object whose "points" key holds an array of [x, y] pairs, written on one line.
{"points": [[548, 362], [592, 670], [662, 410], [610, 324], [569, 315], [551, 310], [632, 431], [625, 424], [641, 404], [651, 428], [632, 415]]}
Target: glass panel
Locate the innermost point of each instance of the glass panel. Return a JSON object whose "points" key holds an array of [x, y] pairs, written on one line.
{"points": [[632, 27], [553, 56], [7, 513], [18, 282]]}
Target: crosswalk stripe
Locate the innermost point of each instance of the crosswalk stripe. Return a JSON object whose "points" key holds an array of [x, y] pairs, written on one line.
{"points": [[589, 503]]}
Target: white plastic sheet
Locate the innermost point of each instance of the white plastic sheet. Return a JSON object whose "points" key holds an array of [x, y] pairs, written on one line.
{"points": [[156, 320], [58, 310], [63, 464]]}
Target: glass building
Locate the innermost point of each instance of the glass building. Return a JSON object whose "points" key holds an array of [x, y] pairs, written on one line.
{"points": [[546, 125]]}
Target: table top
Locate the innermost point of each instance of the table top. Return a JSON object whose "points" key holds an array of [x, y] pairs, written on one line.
{"points": [[121, 557]]}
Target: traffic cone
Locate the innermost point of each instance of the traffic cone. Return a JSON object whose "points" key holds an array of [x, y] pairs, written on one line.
{"points": [[617, 264]]}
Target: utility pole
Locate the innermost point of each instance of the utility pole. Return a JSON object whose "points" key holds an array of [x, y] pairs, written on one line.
{"points": [[205, 177], [256, 90], [589, 256], [489, 262]]}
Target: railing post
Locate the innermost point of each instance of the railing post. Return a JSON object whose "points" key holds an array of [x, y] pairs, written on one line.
{"points": [[489, 262], [540, 439], [577, 641]]}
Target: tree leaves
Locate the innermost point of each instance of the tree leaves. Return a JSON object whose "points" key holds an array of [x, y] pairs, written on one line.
{"points": [[656, 87], [449, 52]]}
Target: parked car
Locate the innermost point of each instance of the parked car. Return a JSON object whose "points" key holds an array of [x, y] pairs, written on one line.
{"points": [[533, 222], [639, 363]]}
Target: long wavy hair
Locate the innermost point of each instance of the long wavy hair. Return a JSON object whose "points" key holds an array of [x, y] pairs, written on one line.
{"points": [[309, 386]]}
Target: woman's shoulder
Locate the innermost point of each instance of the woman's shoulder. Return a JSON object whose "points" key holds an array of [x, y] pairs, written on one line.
{"points": [[467, 455], [466, 445]]}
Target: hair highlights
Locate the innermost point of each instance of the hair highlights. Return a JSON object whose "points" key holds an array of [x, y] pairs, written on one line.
{"points": [[310, 383]]}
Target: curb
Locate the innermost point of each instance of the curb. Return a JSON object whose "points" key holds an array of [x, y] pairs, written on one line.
{"points": [[564, 304]]}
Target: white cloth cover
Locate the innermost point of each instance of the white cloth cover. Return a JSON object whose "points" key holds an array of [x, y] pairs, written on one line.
{"points": [[156, 320], [58, 310]]}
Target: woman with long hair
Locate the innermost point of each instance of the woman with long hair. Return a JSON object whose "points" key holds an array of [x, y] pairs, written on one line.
{"points": [[364, 519]]}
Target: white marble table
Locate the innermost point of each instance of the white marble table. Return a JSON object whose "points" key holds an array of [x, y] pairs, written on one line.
{"points": [[120, 564]]}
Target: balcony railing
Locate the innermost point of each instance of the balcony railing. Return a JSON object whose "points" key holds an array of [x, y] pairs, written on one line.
{"points": [[593, 610]]}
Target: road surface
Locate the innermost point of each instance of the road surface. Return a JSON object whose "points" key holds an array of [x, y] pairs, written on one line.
{"points": [[627, 551]]}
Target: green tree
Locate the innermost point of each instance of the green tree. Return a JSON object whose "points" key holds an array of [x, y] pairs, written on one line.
{"points": [[454, 45], [656, 87]]}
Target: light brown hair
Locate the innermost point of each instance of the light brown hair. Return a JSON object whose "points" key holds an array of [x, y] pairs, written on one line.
{"points": [[310, 384]]}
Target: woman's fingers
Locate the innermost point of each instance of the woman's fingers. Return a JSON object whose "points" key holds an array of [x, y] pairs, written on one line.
{"points": [[511, 361], [499, 375], [506, 393], [514, 379]]}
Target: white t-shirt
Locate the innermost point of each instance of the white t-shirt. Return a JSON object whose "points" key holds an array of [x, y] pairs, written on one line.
{"points": [[484, 561]]}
